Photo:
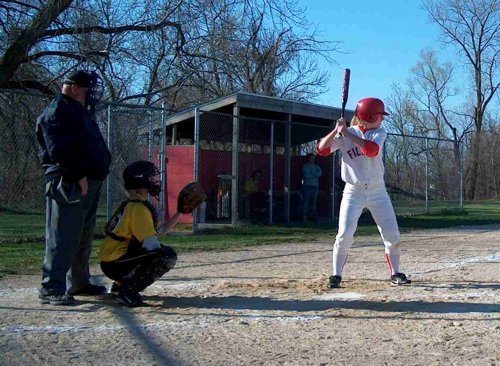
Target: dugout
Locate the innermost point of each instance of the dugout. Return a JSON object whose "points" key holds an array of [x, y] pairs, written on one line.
{"points": [[222, 143]]}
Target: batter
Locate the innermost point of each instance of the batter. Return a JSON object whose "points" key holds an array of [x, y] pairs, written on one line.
{"points": [[362, 170]]}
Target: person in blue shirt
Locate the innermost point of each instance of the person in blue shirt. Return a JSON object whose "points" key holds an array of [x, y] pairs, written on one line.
{"points": [[310, 187]]}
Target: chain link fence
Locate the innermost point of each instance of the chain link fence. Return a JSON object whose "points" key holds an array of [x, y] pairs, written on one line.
{"points": [[265, 186], [21, 178], [422, 174], [132, 133]]}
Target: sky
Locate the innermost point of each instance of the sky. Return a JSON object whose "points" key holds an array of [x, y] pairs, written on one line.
{"points": [[382, 40]]}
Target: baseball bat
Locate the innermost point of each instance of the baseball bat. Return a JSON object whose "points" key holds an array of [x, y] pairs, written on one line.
{"points": [[345, 90], [345, 94]]}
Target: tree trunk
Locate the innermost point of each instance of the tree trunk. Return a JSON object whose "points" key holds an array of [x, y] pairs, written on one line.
{"points": [[475, 146], [18, 50]]}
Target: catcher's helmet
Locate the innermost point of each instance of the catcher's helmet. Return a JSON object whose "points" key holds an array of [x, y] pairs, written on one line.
{"points": [[142, 174], [368, 109]]}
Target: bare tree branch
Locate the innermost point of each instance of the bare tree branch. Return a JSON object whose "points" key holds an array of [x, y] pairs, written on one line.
{"points": [[18, 50]]}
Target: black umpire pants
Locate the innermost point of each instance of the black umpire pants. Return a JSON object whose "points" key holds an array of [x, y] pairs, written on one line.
{"points": [[70, 224]]}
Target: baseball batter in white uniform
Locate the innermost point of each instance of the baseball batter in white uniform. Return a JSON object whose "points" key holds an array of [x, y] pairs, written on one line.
{"points": [[363, 172]]}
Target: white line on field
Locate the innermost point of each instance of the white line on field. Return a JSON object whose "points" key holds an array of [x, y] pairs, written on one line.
{"points": [[464, 262], [10, 291], [339, 296], [196, 323]]}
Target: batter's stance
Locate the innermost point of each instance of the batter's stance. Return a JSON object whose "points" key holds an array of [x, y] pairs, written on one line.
{"points": [[363, 172]]}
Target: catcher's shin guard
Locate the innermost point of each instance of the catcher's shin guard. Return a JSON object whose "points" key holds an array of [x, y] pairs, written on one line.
{"points": [[144, 275]]}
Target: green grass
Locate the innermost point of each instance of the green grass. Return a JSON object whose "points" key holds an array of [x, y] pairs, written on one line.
{"points": [[22, 248], [475, 213], [21, 226]]}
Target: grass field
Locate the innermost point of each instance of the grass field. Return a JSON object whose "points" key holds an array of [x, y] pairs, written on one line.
{"points": [[22, 234]]}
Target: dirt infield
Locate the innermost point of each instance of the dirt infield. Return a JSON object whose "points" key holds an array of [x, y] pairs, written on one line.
{"points": [[268, 306]]}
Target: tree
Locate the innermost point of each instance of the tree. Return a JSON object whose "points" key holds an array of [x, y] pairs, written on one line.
{"points": [[431, 88], [58, 36], [258, 46], [22, 41], [473, 27], [182, 51]]}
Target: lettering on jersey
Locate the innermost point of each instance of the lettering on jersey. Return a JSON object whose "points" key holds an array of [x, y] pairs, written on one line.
{"points": [[354, 152]]}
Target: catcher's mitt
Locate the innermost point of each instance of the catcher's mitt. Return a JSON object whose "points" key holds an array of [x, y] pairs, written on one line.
{"points": [[190, 197]]}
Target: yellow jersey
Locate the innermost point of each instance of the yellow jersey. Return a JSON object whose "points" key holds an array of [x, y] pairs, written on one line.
{"points": [[136, 221], [251, 186]]}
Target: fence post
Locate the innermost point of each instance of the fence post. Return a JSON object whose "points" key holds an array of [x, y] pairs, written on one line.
{"points": [[426, 176], [333, 194], [271, 175], [109, 188], [461, 153], [196, 157], [235, 166], [150, 136], [162, 157], [288, 151]]}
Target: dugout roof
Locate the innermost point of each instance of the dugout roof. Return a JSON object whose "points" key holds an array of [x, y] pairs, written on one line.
{"points": [[265, 109]]}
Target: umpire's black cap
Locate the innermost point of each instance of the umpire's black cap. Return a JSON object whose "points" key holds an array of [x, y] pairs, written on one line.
{"points": [[79, 77]]}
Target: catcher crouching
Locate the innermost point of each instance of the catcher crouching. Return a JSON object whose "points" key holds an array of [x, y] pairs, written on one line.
{"points": [[131, 254]]}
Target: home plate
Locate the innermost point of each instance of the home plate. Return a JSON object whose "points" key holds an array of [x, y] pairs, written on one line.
{"points": [[340, 295]]}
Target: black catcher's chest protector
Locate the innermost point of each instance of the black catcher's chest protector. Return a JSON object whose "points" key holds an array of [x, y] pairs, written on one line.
{"points": [[117, 215]]}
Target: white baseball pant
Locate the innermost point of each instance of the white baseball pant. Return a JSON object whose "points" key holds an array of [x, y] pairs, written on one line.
{"points": [[375, 198]]}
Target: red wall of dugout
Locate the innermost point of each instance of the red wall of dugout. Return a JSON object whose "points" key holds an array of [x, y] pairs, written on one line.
{"points": [[180, 171]]}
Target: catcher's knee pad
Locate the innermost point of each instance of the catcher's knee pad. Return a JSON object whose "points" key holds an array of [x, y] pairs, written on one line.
{"points": [[144, 275], [168, 256], [139, 278]]}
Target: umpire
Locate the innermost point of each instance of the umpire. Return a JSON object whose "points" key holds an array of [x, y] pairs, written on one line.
{"points": [[76, 161]]}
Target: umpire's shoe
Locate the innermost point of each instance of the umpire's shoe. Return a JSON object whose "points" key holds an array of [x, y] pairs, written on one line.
{"points": [[399, 279], [56, 299], [334, 282], [89, 290]]}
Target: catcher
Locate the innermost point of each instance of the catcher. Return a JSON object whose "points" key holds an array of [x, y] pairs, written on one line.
{"points": [[131, 254]]}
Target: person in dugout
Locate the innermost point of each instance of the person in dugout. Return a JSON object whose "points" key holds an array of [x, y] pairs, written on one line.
{"points": [[131, 254]]}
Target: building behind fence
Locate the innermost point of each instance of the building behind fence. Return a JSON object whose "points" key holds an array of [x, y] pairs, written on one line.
{"points": [[222, 150]]}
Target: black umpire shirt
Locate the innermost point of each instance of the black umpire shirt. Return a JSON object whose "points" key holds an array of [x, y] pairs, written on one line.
{"points": [[71, 143]]}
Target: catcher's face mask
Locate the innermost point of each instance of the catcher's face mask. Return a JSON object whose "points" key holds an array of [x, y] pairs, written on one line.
{"points": [[154, 183]]}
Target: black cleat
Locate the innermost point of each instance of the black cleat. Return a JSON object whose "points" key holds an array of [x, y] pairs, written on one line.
{"points": [[129, 298], [334, 282], [114, 290], [399, 279]]}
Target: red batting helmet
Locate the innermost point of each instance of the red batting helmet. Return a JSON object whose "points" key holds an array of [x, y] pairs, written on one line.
{"points": [[368, 109]]}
